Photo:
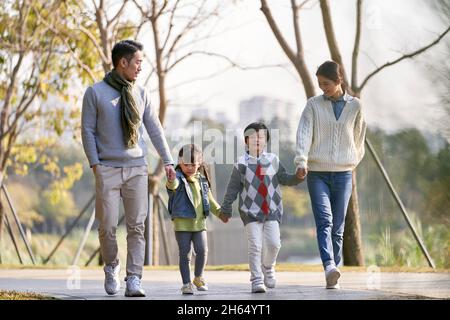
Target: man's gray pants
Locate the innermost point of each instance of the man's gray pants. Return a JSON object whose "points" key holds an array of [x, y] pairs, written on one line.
{"points": [[132, 185]]}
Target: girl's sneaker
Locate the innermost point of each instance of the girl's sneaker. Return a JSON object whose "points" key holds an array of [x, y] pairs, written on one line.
{"points": [[200, 283], [187, 288]]}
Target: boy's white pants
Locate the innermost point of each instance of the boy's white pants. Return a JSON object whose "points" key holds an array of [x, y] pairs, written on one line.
{"points": [[263, 246]]}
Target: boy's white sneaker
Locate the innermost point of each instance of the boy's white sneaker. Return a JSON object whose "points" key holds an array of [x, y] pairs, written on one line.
{"points": [[269, 278], [112, 281], [258, 288], [332, 276]]}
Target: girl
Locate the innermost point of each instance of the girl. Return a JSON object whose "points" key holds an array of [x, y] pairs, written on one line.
{"points": [[330, 144], [190, 202]]}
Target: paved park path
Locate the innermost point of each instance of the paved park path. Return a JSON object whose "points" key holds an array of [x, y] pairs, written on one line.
{"points": [[87, 284]]}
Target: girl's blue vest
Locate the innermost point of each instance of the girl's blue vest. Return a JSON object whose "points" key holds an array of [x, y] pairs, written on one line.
{"points": [[180, 206]]}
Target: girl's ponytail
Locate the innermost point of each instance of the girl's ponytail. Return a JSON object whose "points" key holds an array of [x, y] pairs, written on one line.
{"points": [[204, 171]]}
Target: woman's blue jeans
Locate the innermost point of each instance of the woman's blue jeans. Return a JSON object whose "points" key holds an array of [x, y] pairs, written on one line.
{"points": [[330, 194]]}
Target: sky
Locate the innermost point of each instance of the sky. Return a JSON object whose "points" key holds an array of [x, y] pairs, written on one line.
{"points": [[401, 96], [398, 97]]}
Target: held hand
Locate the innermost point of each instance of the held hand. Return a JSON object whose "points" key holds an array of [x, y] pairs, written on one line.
{"points": [[224, 218], [170, 172], [94, 168], [301, 173]]}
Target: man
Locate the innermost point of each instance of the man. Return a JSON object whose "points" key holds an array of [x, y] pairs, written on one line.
{"points": [[115, 112]]}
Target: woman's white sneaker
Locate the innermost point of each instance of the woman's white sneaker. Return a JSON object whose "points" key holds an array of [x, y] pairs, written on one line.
{"points": [[332, 276]]}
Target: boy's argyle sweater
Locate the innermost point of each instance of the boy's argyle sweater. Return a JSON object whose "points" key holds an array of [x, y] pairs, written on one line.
{"points": [[257, 182]]}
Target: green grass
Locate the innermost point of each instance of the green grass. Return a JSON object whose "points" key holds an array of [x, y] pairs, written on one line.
{"points": [[16, 295], [397, 247]]}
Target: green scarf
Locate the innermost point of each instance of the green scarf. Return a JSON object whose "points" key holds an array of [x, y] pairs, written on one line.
{"points": [[129, 112]]}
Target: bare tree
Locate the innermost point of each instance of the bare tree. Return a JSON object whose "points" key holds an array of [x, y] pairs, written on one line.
{"points": [[439, 69], [353, 254], [173, 24], [297, 57], [28, 52], [94, 29]]}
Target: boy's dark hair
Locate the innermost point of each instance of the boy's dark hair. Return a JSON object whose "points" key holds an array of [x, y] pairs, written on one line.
{"points": [[255, 127], [190, 153], [125, 49]]}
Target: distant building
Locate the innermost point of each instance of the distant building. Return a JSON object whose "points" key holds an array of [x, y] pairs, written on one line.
{"points": [[277, 113], [223, 118]]}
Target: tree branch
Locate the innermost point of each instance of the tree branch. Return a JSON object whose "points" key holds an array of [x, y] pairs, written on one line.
{"points": [[276, 31], [159, 13], [405, 56], [356, 45], [331, 38], [63, 38], [118, 14], [94, 42], [298, 39], [169, 32], [195, 21], [8, 96], [22, 109], [218, 55]]}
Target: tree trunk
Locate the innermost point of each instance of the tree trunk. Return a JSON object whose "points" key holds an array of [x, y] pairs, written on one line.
{"points": [[352, 247], [162, 97], [1, 223], [297, 58], [307, 82], [331, 38], [156, 245]]}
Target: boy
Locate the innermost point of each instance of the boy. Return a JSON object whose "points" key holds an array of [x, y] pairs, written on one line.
{"points": [[256, 177]]}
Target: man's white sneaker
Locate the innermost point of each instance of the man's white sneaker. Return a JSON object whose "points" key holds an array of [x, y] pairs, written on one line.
{"points": [[112, 281], [332, 276], [134, 287], [258, 288]]}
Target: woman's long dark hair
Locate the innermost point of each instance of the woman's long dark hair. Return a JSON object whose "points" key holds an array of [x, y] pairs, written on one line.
{"points": [[333, 71], [189, 153]]}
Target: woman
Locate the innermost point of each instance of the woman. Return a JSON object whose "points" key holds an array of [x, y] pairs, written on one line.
{"points": [[330, 144]]}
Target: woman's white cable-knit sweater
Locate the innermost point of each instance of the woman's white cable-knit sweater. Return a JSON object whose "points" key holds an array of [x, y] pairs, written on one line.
{"points": [[327, 144]]}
